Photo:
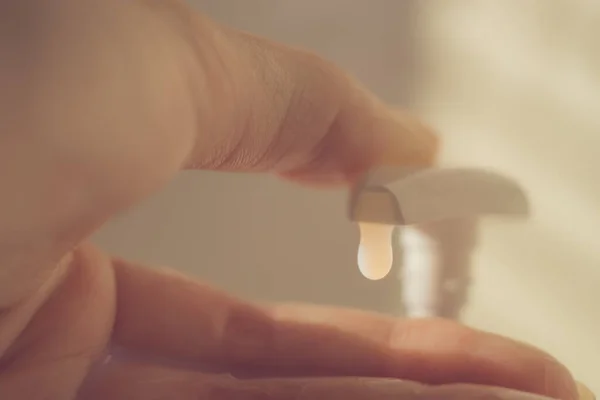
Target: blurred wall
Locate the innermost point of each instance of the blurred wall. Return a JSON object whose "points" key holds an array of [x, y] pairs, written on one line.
{"points": [[510, 84]]}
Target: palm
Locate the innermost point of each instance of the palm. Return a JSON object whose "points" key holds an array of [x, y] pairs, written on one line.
{"points": [[169, 326]]}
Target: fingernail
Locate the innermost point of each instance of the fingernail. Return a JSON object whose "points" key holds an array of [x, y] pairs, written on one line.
{"points": [[584, 393]]}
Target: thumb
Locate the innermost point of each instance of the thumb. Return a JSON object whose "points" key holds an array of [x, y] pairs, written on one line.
{"points": [[284, 110], [106, 101]]}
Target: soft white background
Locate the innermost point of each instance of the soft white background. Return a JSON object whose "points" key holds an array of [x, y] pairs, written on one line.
{"points": [[511, 84]]}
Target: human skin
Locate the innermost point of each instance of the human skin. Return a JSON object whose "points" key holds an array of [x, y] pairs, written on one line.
{"points": [[101, 104]]}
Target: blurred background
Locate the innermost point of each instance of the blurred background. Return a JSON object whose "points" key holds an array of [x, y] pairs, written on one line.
{"points": [[512, 84]]}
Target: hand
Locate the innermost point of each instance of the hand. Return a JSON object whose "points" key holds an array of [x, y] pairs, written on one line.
{"points": [[101, 104]]}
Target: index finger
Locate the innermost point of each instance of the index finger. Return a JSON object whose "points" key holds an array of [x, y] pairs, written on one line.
{"points": [[196, 324], [103, 102]]}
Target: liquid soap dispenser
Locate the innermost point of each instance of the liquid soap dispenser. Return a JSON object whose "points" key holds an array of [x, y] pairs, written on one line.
{"points": [[430, 217]]}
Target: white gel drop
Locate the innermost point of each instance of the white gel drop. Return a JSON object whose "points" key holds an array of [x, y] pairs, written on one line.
{"points": [[375, 252]]}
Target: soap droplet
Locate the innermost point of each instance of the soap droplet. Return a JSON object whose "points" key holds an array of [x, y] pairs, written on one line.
{"points": [[375, 252]]}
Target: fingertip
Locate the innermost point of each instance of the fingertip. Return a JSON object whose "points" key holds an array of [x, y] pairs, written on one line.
{"points": [[387, 136], [584, 392], [489, 359], [410, 142]]}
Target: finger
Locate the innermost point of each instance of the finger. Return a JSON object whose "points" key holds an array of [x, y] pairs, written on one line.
{"points": [[134, 381], [189, 321], [299, 115], [56, 347], [97, 118]]}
